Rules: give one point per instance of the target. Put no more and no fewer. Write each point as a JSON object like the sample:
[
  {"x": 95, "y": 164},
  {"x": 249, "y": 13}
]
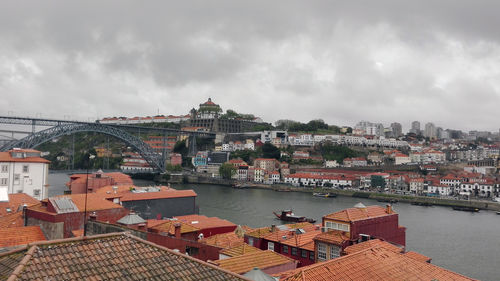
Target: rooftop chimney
[
  {"x": 273, "y": 228},
  {"x": 177, "y": 227},
  {"x": 388, "y": 208}
]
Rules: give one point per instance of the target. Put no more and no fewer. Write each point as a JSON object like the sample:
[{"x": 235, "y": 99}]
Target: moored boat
[
  {"x": 465, "y": 208},
  {"x": 324, "y": 195},
  {"x": 288, "y": 215},
  {"x": 421, "y": 203}
]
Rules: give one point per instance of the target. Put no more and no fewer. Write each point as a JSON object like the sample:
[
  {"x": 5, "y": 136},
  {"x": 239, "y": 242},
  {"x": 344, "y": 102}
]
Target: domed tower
[{"x": 209, "y": 110}]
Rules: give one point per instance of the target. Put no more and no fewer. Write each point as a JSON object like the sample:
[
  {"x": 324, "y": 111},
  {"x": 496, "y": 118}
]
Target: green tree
[
  {"x": 377, "y": 181},
  {"x": 329, "y": 151},
  {"x": 227, "y": 171},
  {"x": 270, "y": 151}
]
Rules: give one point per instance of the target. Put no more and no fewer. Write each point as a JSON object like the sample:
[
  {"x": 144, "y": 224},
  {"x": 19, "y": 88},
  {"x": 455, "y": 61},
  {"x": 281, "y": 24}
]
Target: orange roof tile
[
  {"x": 203, "y": 222},
  {"x": 355, "y": 214},
  {"x": 335, "y": 237},
  {"x": 12, "y": 220},
  {"x": 16, "y": 236},
  {"x": 265, "y": 231},
  {"x": 370, "y": 244},
  {"x": 169, "y": 227},
  {"x": 377, "y": 263},
  {"x": 77, "y": 233},
  {"x": 88, "y": 258},
  {"x": 239, "y": 250},
  {"x": 417, "y": 256},
  {"x": 16, "y": 200},
  {"x": 6, "y": 157},
  {"x": 131, "y": 196},
  {"x": 302, "y": 241},
  {"x": 246, "y": 262},
  {"x": 225, "y": 240},
  {"x": 95, "y": 202}
]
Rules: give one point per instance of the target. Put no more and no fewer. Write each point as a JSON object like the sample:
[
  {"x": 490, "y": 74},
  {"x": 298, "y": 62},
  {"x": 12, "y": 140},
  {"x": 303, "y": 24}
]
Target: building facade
[{"x": 24, "y": 171}]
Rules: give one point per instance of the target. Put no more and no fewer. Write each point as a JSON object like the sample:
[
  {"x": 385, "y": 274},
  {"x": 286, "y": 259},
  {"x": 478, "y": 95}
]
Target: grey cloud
[{"x": 341, "y": 61}]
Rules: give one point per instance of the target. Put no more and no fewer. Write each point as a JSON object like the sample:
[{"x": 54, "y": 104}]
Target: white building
[{"x": 24, "y": 171}]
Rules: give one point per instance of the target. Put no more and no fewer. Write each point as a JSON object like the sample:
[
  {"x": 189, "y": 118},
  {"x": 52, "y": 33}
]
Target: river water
[{"x": 467, "y": 243}]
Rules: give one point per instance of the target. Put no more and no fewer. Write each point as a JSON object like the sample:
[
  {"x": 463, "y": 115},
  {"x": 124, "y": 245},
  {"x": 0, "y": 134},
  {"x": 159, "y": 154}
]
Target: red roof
[
  {"x": 16, "y": 200},
  {"x": 377, "y": 263},
  {"x": 6, "y": 157},
  {"x": 12, "y": 220},
  {"x": 209, "y": 102},
  {"x": 131, "y": 196},
  {"x": 16, "y": 236},
  {"x": 204, "y": 222},
  {"x": 370, "y": 244},
  {"x": 321, "y": 177},
  {"x": 355, "y": 214},
  {"x": 335, "y": 237},
  {"x": 417, "y": 256}
]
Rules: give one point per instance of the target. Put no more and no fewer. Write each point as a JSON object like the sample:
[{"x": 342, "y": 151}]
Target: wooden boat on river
[{"x": 288, "y": 215}]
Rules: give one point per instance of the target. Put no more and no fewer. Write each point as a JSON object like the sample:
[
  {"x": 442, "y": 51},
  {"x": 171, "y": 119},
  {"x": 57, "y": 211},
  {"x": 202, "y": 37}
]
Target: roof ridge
[
  {"x": 22, "y": 263},
  {"x": 128, "y": 234}
]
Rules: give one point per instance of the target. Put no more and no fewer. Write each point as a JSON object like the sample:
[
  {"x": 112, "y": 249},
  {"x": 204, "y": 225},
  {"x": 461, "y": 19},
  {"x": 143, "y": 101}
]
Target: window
[
  {"x": 311, "y": 256},
  {"x": 303, "y": 253},
  {"x": 250, "y": 241},
  {"x": 294, "y": 251},
  {"x": 25, "y": 168},
  {"x": 3, "y": 181},
  {"x": 5, "y": 168},
  {"x": 36, "y": 192},
  {"x": 270, "y": 246},
  {"x": 334, "y": 252},
  {"x": 337, "y": 226},
  {"x": 285, "y": 249},
  {"x": 321, "y": 252},
  {"x": 16, "y": 178},
  {"x": 192, "y": 251}
]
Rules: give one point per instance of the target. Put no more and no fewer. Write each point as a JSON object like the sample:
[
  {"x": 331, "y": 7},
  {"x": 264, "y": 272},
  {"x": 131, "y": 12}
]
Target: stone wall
[{"x": 51, "y": 230}]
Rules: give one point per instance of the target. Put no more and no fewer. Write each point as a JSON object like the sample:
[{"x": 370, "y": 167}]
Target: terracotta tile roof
[
  {"x": 239, "y": 250},
  {"x": 371, "y": 264},
  {"x": 169, "y": 227},
  {"x": 265, "y": 231},
  {"x": 116, "y": 256},
  {"x": 6, "y": 157},
  {"x": 131, "y": 196},
  {"x": 370, "y": 244},
  {"x": 355, "y": 214},
  {"x": 77, "y": 233},
  {"x": 118, "y": 178},
  {"x": 303, "y": 241},
  {"x": 417, "y": 256},
  {"x": 246, "y": 262},
  {"x": 16, "y": 236},
  {"x": 225, "y": 240},
  {"x": 95, "y": 202},
  {"x": 283, "y": 235},
  {"x": 335, "y": 237},
  {"x": 16, "y": 200},
  {"x": 204, "y": 222},
  {"x": 12, "y": 220}
]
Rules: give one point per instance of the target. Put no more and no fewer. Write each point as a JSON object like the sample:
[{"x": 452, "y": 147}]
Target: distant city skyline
[{"x": 384, "y": 62}]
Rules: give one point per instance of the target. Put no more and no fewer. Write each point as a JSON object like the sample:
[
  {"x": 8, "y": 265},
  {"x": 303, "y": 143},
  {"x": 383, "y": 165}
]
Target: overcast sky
[{"x": 382, "y": 61}]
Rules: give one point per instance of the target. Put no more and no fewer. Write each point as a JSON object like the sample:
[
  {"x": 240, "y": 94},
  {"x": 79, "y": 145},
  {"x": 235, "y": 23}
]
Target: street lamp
[{"x": 90, "y": 157}]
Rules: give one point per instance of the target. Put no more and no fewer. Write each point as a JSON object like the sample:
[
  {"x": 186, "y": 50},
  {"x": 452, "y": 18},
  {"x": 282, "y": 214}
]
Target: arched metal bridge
[{"x": 62, "y": 127}]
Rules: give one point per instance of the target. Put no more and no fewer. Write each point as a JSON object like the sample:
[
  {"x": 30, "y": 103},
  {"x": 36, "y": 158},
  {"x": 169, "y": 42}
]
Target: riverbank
[{"x": 384, "y": 197}]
